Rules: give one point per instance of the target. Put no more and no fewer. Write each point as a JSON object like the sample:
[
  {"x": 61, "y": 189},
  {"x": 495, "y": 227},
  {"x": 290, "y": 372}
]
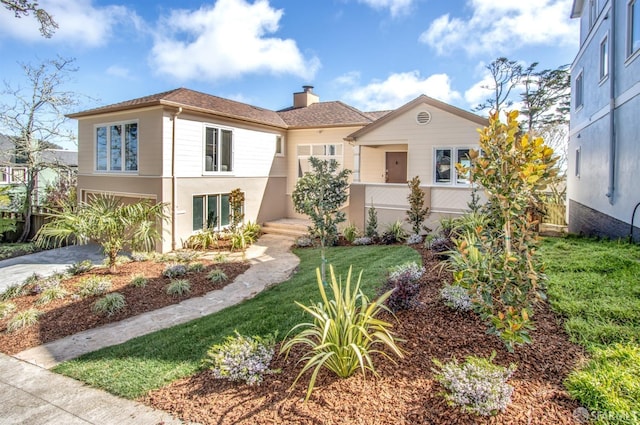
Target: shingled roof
[
  {"x": 197, "y": 102},
  {"x": 324, "y": 114},
  {"x": 321, "y": 114}
]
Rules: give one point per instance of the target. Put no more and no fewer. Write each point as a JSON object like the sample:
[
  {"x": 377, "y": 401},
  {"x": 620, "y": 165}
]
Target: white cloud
[
  {"x": 80, "y": 23},
  {"x": 499, "y": 25},
  {"x": 225, "y": 41},
  {"x": 119, "y": 71},
  {"x": 397, "y": 90},
  {"x": 396, "y": 7}
]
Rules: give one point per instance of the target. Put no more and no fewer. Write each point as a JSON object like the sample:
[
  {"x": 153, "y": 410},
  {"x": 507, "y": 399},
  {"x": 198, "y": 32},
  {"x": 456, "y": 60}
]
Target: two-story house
[
  {"x": 604, "y": 147},
  {"x": 191, "y": 149}
]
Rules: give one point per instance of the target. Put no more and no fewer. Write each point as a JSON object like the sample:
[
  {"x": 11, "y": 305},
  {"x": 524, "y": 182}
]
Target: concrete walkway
[{"x": 30, "y": 394}]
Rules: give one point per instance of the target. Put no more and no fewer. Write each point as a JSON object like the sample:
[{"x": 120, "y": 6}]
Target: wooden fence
[{"x": 555, "y": 214}]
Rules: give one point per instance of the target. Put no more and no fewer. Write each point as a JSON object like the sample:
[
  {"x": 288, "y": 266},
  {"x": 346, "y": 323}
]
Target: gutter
[
  {"x": 612, "y": 106},
  {"x": 174, "y": 181}
]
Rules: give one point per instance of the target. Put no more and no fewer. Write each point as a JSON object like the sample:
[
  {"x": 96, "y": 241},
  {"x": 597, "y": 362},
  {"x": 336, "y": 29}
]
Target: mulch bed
[
  {"x": 67, "y": 316},
  {"x": 405, "y": 393}
]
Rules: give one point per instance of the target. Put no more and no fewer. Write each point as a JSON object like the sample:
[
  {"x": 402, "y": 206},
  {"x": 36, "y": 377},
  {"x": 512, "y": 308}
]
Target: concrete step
[{"x": 287, "y": 228}]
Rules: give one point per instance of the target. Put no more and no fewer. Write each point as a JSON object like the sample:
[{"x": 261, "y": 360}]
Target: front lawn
[
  {"x": 595, "y": 285},
  {"x": 137, "y": 366}
]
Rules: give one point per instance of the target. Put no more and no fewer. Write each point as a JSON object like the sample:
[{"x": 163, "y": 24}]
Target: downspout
[
  {"x": 612, "y": 106},
  {"x": 174, "y": 181}
]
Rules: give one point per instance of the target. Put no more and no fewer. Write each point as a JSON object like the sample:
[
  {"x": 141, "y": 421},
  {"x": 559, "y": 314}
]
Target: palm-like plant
[
  {"x": 107, "y": 221},
  {"x": 345, "y": 332}
]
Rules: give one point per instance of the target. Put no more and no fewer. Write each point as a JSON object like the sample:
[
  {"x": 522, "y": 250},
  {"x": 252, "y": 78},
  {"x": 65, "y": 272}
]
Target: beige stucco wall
[
  {"x": 445, "y": 129},
  {"x": 314, "y": 136},
  {"x": 150, "y": 139},
  {"x": 373, "y": 161}
]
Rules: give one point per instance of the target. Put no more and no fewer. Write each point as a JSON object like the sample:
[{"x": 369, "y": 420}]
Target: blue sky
[{"x": 372, "y": 54}]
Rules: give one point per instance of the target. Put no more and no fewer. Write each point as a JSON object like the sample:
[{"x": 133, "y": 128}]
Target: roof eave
[
  {"x": 577, "y": 8},
  {"x": 162, "y": 102}
]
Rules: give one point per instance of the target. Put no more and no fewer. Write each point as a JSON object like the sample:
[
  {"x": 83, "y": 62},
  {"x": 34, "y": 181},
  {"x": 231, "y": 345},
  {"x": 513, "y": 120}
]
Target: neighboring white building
[{"x": 603, "y": 187}]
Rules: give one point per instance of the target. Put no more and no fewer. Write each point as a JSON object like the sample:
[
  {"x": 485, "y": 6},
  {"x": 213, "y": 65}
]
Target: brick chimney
[{"x": 305, "y": 98}]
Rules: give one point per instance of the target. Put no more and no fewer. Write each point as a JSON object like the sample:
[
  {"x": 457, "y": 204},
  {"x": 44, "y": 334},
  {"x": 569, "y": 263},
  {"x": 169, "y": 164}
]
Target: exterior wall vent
[{"x": 423, "y": 117}]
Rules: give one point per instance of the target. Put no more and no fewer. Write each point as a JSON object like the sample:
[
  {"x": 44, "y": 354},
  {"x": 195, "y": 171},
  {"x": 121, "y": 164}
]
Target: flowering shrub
[
  {"x": 456, "y": 297},
  {"x": 478, "y": 386},
  {"x": 174, "y": 270},
  {"x": 365, "y": 240},
  {"x": 414, "y": 239},
  {"x": 241, "y": 358},
  {"x": 411, "y": 268}
]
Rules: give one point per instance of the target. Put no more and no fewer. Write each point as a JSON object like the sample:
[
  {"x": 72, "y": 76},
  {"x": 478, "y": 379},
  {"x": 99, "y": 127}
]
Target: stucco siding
[{"x": 445, "y": 129}]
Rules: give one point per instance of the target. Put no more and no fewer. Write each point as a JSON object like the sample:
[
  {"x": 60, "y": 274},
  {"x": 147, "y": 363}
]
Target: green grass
[
  {"x": 595, "y": 285},
  {"x": 152, "y": 361}
]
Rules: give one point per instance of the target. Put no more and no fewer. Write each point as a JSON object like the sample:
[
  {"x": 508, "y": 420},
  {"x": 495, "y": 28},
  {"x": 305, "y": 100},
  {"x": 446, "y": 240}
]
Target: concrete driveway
[{"x": 45, "y": 263}]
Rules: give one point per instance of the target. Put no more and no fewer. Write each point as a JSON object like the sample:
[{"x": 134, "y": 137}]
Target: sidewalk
[{"x": 32, "y": 395}]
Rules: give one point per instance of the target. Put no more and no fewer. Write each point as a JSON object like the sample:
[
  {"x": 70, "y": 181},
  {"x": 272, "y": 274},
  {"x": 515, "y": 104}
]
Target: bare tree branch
[{"x": 22, "y": 8}]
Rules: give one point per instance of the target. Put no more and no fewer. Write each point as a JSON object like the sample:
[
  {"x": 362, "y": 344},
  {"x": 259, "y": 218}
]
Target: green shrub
[
  {"x": 478, "y": 386},
  {"x": 79, "y": 267},
  {"x": 174, "y": 270},
  {"x": 372, "y": 223},
  {"x": 34, "y": 278},
  {"x": 179, "y": 287},
  {"x": 417, "y": 212},
  {"x": 241, "y": 358},
  {"x": 304, "y": 242},
  {"x": 351, "y": 232},
  {"x": 394, "y": 233},
  {"x": 51, "y": 293},
  {"x": 138, "y": 280},
  {"x": 196, "y": 267},
  {"x": 220, "y": 258},
  {"x": 203, "y": 240},
  {"x": 13, "y": 291},
  {"x": 217, "y": 275},
  {"x": 252, "y": 231},
  {"x": 6, "y": 308},
  {"x": 608, "y": 386},
  {"x": 110, "y": 304},
  {"x": 345, "y": 331},
  {"x": 185, "y": 256},
  {"x": 23, "y": 319},
  {"x": 140, "y": 256},
  {"x": 93, "y": 285}
]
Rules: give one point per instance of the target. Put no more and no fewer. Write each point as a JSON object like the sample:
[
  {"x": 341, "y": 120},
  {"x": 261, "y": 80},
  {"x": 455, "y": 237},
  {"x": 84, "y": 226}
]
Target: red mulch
[
  {"x": 67, "y": 316},
  {"x": 406, "y": 392}
]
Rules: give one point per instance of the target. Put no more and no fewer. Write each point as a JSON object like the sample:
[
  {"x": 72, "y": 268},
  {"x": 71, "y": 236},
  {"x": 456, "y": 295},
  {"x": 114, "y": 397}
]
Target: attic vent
[{"x": 423, "y": 117}]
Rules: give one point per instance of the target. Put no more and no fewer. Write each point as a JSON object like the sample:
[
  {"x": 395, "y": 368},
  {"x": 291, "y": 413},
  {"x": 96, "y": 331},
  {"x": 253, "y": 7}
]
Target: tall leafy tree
[
  {"x": 546, "y": 97},
  {"x": 505, "y": 75},
  {"x": 33, "y": 116},
  {"x": 22, "y": 8}
]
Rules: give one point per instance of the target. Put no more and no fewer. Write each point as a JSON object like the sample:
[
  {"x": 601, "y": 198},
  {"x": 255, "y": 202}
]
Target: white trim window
[
  {"x": 604, "y": 58},
  {"x": 211, "y": 211},
  {"x": 633, "y": 27},
  {"x": 218, "y": 150},
  {"x": 444, "y": 169},
  {"x": 579, "y": 91},
  {"x": 13, "y": 175},
  {"x": 320, "y": 151},
  {"x": 117, "y": 147}
]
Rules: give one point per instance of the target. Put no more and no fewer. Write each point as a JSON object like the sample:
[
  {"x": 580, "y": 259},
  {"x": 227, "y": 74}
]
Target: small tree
[
  {"x": 417, "y": 211},
  {"x": 497, "y": 263},
  {"x": 6, "y": 224},
  {"x": 320, "y": 194},
  {"x": 108, "y": 222},
  {"x": 372, "y": 223},
  {"x": 236, "y": 203}
]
